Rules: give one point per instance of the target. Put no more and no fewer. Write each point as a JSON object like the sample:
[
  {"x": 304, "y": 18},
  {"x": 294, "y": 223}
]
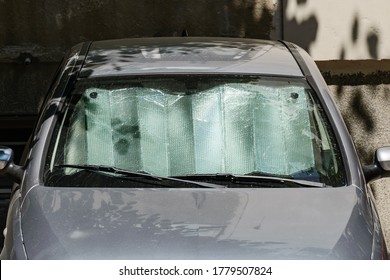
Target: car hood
[{"x": 288, "y": 223}]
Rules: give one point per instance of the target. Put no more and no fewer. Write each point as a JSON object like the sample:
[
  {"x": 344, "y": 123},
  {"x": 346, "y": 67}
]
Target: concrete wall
[
  {"x": 61, "y": 23},
  {"x": 365, "y": 109},
  {"x": 334, "y": 29},
  {"x": 35, "y": 33},
  {"x": 349, "y": 39},
  {"x": 329, "y": 30}
]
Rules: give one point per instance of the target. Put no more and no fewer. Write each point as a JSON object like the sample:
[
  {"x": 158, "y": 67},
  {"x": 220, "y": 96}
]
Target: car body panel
[
  {"x": 126, "y": 223},
  {"x": 13, "y": 246},
  {"x": 152, "y": 223},
  {"x": 188, "y": 55}
]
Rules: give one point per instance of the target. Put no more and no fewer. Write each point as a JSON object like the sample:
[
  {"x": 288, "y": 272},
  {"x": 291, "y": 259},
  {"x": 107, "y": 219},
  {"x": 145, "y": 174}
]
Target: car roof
[{"x": 189, "y": 55}]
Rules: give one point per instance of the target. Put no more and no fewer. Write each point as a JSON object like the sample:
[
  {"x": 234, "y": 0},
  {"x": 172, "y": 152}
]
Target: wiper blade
[
  {"x": 129, "y": 174},
  {"x": 109, "y": 169},
  {"x": 228, "y": 177}
]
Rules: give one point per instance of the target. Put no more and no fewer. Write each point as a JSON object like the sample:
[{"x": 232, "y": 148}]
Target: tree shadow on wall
[
  {"x": 219, "y": 18},
  {"x": 249, "y": 19},
  {"x": 302, "y": 32},
  {"x": 357, "y": 109}
]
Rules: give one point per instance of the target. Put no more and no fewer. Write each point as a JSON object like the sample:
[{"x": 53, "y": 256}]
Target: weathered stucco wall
[
  {"x": 329, "y": 30},
  {"x": 334, "y": 29},
  {"x": 365, "y": 109},
  {"x": 34, "y": 34},
  {"x": 54, "y": 24}
]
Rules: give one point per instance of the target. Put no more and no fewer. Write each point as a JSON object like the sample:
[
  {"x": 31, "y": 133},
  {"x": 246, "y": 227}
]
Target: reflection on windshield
[{"x": 173, "y": 126}]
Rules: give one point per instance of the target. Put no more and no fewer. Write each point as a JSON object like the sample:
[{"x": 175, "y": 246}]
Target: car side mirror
[
  {"x": 380, "y": 168},
  {"x": 8, "y": 167}
]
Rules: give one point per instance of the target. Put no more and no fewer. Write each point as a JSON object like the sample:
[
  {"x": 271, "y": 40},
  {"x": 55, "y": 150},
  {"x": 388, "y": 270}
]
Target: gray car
[{"x": 191, "y": 148}]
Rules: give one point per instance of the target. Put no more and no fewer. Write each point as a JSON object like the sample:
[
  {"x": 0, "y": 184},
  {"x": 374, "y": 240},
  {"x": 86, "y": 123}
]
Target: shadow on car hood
[{"x": 102, "y": 223}]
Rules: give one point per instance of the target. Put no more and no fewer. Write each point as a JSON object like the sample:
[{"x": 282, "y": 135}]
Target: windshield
[{"x": 189, "y": 125}]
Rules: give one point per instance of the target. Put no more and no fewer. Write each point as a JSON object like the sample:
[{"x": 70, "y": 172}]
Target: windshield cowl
[
  {"x": 70, "y": 173},
  {"x": 159, "y": 181}
]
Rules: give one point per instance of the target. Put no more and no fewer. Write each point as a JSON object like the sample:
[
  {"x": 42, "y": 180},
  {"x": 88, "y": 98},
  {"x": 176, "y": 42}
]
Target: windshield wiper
[
  {"x": 131, "y": 174},
  {"x": 261, "y": 179}
]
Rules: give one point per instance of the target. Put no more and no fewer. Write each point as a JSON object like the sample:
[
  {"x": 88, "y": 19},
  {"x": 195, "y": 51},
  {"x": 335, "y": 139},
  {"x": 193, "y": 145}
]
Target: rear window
[{"x": 181, "y": 125}]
